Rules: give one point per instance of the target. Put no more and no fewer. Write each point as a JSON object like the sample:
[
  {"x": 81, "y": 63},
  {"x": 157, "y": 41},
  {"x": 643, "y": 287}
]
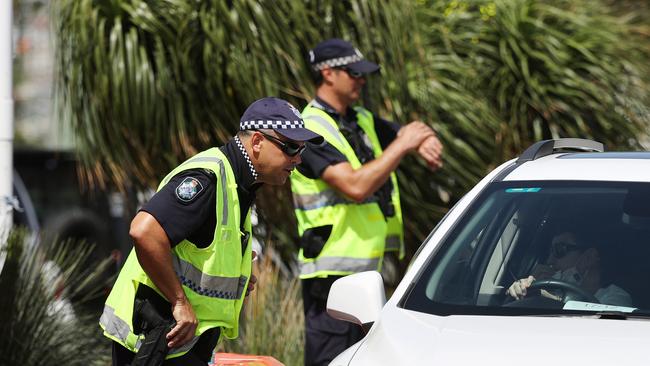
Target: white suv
[{"x": 545, "y": 262}]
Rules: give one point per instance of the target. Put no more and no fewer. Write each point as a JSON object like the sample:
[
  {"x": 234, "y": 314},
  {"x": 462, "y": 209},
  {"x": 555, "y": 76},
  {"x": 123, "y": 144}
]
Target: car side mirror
[{"x": 357, "y": 298}]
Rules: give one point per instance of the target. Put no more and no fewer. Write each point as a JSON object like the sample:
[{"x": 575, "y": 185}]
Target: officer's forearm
[
  {"x": 158, "y": 266},
  {"x": 359, "y": 184},
  {"x": 153, "y": 250}
]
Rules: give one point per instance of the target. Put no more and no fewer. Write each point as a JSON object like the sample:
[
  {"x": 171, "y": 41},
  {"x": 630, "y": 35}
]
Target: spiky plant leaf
[{"x": 41, "y": 325}]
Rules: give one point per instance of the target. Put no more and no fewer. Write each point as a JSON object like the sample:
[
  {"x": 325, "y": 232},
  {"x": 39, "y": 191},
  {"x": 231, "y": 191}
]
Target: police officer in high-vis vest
[
  {"x": 191, "y": 262},
  {"x": 345, "y": 192}
]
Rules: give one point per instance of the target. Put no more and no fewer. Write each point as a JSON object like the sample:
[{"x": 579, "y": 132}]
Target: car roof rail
[{"x": 548, "y": 147}]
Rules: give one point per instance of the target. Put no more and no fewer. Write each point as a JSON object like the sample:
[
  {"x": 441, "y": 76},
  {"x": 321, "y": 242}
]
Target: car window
[{"x": 542, "y": 247}]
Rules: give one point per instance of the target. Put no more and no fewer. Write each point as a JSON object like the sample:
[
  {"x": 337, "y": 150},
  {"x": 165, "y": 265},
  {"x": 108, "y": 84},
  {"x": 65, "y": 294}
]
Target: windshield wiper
[
  {"x": 609, "y": 314},
  {"x": 621, "y": 315}
]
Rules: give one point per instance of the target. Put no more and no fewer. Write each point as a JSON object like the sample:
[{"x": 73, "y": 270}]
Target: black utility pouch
[
  {"x": 313, "y": 240},
  {"x": 146, "y": 319},
  {"x": 150, "y": 309}
]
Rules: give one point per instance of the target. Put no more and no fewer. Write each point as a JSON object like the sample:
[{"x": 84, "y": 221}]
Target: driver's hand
[{"x": 518, "y": 288}]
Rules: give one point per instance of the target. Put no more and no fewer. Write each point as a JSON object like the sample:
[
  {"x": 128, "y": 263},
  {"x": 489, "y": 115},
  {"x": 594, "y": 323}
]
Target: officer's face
[
  {"x": 275, "y": 165},
  {"x": 346, "y": 86}
]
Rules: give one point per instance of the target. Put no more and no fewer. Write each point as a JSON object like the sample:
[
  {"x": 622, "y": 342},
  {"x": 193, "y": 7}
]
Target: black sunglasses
[
  {"x": 353, "y": 74},
  {"x": 561, "y": 248},
  {"x": 290, "y": 148}
]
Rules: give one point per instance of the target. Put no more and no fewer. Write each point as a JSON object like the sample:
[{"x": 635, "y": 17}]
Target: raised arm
[{"x": 359, "y": 184}]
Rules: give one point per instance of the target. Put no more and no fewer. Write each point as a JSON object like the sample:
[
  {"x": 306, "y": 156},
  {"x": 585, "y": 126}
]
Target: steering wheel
[{"x": 571, "y": 291}]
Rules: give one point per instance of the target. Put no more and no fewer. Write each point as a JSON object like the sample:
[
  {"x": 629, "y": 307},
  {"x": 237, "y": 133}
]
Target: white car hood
[{"x": 405, "y": 337}]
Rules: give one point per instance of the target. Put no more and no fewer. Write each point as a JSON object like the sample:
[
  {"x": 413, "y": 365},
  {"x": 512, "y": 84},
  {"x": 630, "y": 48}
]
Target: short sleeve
[
  {"x": 184, "y": 204},
  {"x": 316, "y": 158}
]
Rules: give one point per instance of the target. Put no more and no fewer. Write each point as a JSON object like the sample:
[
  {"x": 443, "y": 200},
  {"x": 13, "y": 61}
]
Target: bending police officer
[{"x": 192, "y": 251}]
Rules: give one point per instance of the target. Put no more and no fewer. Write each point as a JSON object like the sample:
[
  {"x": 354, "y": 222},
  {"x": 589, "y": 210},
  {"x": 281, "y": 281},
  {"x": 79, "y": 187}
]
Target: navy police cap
[
  {"x": 337, "y": 53},
  {"x": 278, "y": 115}
]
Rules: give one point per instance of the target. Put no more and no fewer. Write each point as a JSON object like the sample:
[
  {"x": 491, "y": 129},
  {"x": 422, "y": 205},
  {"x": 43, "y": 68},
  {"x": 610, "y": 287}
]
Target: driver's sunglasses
[
  {"x": 353, "y": 74},
  {"x": 290, "y": 148},
  {"x": 561, "y": 248}
]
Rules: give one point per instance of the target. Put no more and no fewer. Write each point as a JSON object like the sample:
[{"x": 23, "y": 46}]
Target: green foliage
[
  {"x": 547, "y": 69},
  {"x": 497, "y": 76},
  {"x": 39, "y": 325},
  {"x": 272, "y": 320},
  {"x": 145, "y": 84}
]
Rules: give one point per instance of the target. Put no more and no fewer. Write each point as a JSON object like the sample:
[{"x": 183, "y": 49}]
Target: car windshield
[{"x": 543, "y": 248}]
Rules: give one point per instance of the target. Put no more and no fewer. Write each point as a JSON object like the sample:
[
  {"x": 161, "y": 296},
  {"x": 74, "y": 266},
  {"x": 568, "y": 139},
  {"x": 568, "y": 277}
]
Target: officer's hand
[
  {"x": 431, "y": 151},
  {"x": 518, "y": 288},
  {"x": 413, "y": 134},
  {"x": 186, "y": 324},
  {"x": 251, "y": 284}
]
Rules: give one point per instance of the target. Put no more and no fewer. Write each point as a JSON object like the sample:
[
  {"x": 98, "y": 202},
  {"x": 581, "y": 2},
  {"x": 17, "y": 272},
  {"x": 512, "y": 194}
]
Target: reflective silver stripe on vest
[
  {"x": 393, "y": 242},
  {"x": 115, "y": 326},
  {"x": 229, "y": 288},
  {"x": 317, "y": 200},
  {"x": 328, "y": 126},
  {"x": 328, "y": 197},
  {"x": 119, "y": 329},
  {"x": 224, "y": 187},
  {"x": 339, "y": 264}
]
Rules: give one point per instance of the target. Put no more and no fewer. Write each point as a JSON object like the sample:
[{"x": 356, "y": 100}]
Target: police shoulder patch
[{"x": 189, "y": 188}]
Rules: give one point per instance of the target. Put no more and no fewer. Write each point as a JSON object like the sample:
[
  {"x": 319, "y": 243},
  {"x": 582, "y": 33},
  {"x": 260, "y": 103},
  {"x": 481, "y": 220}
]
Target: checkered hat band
[
  {"x": 274, "y": 125},
  {"x": 339, "y": 61}
]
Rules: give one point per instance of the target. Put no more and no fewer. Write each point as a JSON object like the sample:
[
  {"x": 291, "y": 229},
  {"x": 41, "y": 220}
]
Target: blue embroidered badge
[{"x": 188, "y": 189}]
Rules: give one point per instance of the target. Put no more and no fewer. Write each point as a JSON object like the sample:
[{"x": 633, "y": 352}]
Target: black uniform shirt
[
  {"x": 316, "y": 158},
  {"x": 186, "y": 206}
]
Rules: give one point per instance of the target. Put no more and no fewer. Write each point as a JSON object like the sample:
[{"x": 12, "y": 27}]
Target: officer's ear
[
  {"x": 256, "y": 141},
  {"x": 327, "y": 74}
]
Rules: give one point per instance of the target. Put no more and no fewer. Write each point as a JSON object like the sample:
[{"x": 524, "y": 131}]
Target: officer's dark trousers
[
  {"x": 197, "y": 356},
  {"x": 325, "y": 337}
]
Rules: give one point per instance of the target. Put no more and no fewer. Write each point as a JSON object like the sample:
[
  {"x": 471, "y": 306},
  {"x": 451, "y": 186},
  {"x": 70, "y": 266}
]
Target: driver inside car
[{"x": 572, "y": 263}]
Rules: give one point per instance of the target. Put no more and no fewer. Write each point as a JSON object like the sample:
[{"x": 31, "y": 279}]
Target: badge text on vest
[{"x": 188, "y": 189}]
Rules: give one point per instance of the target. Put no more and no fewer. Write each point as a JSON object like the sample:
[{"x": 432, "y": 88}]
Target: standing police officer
[
  {"x": 345, "y": 192},
  {"x": 191, "y": 262}
]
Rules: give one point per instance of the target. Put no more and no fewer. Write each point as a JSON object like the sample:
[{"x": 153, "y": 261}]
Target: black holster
[
  {"x": 147, "y": 320},
  {"x": 313, "y": 240}
]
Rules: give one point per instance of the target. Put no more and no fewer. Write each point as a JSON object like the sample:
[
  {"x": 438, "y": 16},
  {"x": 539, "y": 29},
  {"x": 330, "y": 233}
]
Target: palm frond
[{"x": 40, "y": 324}]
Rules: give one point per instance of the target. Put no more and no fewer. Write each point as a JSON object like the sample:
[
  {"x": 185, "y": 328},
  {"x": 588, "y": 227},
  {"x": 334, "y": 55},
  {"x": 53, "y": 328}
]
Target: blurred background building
[{"x": 33, "y": 79}]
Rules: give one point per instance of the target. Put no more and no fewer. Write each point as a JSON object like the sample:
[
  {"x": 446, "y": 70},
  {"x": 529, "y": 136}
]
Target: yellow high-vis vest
[
  {"x": 359, "y": 231},
  {"x": 395, "y": 229},
  {"x": 214, "y": 279}
]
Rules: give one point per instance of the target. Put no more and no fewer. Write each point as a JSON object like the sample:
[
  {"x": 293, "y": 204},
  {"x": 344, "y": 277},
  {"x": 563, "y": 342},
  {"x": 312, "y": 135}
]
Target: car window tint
[{"x": 590, "y": 235}]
